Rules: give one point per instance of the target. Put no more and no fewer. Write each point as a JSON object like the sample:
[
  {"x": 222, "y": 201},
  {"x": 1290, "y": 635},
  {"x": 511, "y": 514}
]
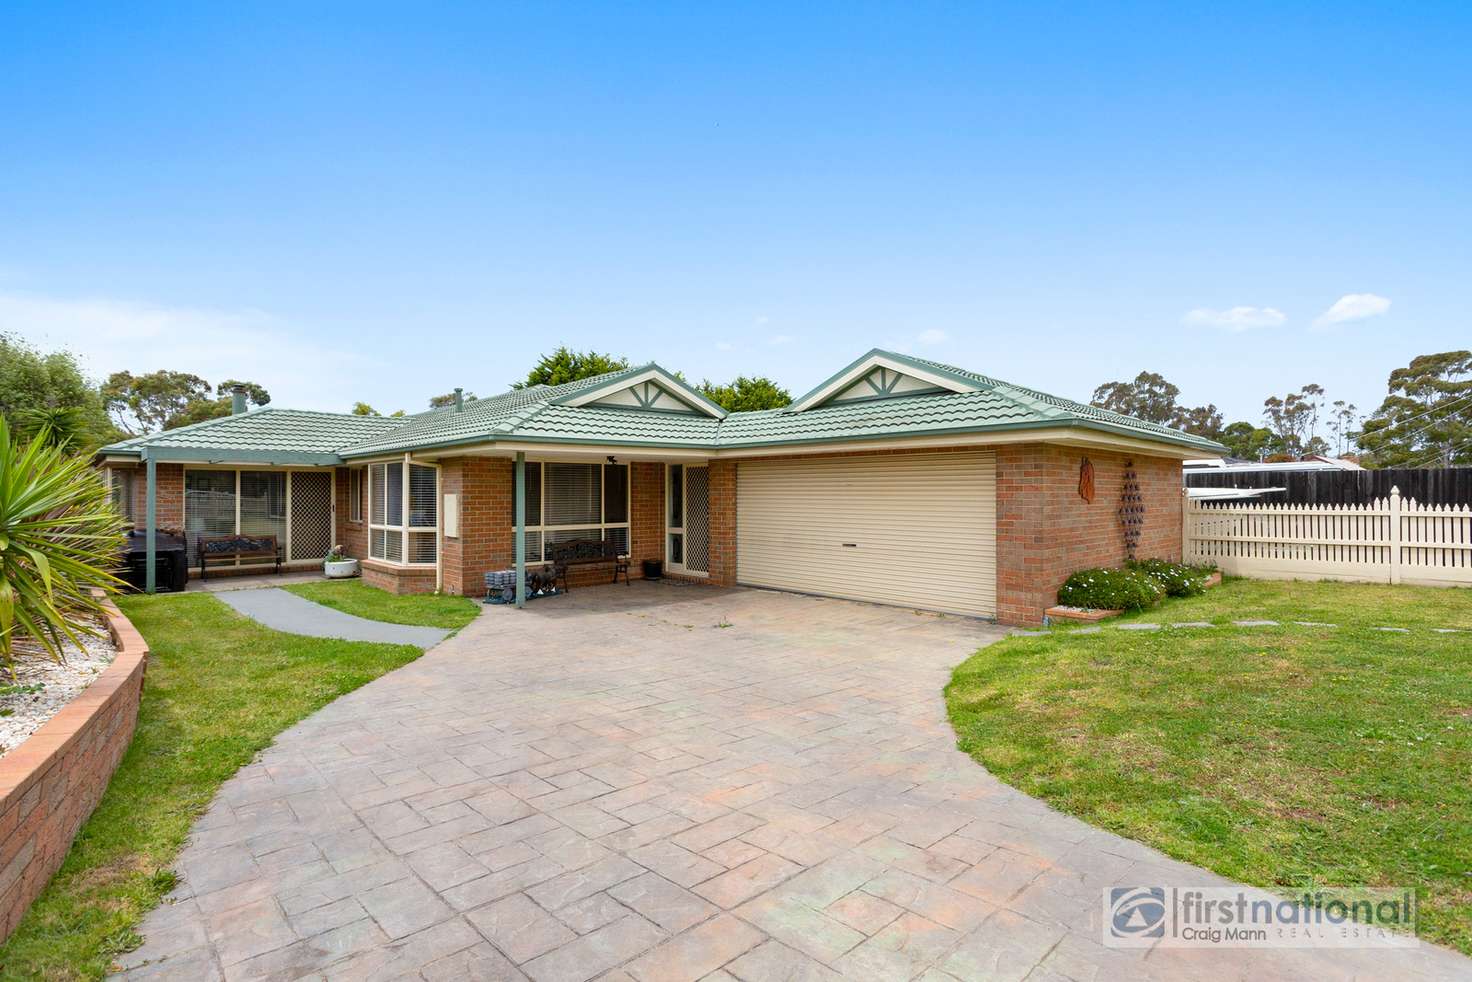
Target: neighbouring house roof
[{"x": 625, "y": 409}]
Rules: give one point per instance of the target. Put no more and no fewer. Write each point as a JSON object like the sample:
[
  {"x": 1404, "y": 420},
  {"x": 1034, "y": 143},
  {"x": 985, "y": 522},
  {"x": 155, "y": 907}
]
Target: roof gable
[
  {"x": 884, "y": 375},
  {"x": 650, "y": 388}
]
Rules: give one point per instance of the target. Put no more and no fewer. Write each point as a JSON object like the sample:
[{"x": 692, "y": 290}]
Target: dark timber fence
[{"x": 1426, "y": 485}]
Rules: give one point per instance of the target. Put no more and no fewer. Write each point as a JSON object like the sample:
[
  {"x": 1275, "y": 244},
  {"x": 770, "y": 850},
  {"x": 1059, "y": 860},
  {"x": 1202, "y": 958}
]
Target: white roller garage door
[{"x": 912, "y": 529}]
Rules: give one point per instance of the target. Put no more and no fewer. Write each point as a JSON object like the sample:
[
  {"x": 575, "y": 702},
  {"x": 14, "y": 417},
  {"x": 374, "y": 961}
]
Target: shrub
[
  {"x": 1176, "y": 579},
  {"x": 59, "y": 538},
  {"x": 1119, "y": 588}
]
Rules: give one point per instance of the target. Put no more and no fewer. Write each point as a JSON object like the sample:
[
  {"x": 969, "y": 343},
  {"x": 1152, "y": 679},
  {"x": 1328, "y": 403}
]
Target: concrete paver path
[
  {"x": 666, "y": 782},
  {"x": 285, "y": 611}
]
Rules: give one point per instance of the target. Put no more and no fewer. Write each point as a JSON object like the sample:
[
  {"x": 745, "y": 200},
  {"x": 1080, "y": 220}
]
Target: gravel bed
[{"x": 41, "y": 687}]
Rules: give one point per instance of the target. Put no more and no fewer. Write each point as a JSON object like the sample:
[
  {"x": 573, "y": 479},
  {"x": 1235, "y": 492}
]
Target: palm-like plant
[
  {"x": 59, "y": 539},
  {"x": 57, "y": 426}
]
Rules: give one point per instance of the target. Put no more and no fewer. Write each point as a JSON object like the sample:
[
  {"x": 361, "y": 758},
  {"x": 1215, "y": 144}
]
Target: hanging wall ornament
[
  {"x": 1086, "y": 480},
  {"x": 1131, "y": 510}
]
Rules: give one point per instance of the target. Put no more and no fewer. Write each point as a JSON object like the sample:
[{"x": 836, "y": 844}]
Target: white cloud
[
  {"x": 781, "y": 339},
  {"x": 725, "y": 346},
  {"x": 109, "y": 335},
  {"x": 1353, "y": 307},
  {"x": 1234, "y": 318},
  {"x": 932, "y": 336}
]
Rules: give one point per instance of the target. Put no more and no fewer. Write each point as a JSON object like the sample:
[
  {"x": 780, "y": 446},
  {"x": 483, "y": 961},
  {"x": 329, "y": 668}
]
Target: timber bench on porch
[
  {"x": 238, "y": 547},
  {"x": 587, "y": 552}
]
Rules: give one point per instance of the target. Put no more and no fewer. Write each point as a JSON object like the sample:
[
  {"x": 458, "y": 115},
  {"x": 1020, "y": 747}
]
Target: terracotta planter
[{"x": 340, "y": 569}]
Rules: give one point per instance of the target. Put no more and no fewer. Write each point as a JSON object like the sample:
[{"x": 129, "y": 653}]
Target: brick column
[
  {"x": 722, "y": 476},
  {"x": 485, "y": 486},
  {"x": 169, "y": 504},
  {"x": 351, "y": 535},
  {"x": 646, "y": 513}
]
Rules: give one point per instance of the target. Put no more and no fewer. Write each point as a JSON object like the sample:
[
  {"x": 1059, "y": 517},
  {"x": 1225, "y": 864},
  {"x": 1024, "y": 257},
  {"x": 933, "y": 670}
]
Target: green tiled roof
[
  {"x": 479, "y": 420},
  {"x": 267, "y": 434},
  {"x": 539, "y": 415}
]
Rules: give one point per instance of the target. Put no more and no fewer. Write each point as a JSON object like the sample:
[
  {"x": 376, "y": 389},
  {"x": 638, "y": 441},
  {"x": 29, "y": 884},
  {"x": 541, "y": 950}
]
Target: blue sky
[{"x": 381, "y": 202}]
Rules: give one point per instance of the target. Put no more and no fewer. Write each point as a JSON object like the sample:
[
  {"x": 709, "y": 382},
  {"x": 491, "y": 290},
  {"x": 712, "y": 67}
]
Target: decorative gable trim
[
  {"x": 882, "y": 375},
  {"x": 650, "y": 389},
  {"x": 885, "y": 383},
  {"x": 645, "y": 395}
]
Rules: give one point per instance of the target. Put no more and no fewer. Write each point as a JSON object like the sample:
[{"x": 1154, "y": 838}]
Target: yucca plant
[
  {"x": 60, "y": 537},
  {"x": 57, "y": 426}
]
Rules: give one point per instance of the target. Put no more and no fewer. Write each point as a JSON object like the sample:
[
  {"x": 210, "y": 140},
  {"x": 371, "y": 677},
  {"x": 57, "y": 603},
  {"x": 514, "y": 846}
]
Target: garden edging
[{"x": 54, "y": 780}]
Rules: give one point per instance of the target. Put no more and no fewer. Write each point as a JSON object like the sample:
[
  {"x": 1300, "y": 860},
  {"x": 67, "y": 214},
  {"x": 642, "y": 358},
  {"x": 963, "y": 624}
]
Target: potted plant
[{"x": 339, "y": 565}]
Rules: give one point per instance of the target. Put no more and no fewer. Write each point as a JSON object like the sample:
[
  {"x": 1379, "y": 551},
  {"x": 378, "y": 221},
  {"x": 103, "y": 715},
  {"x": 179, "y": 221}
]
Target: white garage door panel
[{"x": 918, "y": 530}]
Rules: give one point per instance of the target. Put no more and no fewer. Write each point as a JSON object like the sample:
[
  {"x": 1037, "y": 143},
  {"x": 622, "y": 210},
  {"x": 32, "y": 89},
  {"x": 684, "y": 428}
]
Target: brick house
[{"x": 897, "y": 480}]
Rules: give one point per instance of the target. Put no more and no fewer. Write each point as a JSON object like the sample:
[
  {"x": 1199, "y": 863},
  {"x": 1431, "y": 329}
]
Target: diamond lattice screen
[
  {"x": 311, "y": 515},
  {"x": 697, "y": 519}
]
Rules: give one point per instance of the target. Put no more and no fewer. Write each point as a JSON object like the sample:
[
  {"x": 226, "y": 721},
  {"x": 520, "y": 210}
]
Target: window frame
[
  {"x": 598, "y": 529},
  {"x": 403, "y": 530},
  {"x": 120, "y": 483}
]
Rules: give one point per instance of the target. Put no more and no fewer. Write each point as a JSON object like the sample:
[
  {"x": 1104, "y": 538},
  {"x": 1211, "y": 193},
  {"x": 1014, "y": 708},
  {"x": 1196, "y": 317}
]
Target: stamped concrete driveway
[{"x": 665, "y": 782}]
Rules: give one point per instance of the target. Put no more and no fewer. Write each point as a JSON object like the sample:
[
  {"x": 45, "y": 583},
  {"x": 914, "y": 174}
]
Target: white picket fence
[{"x": 1386, "y": 541}]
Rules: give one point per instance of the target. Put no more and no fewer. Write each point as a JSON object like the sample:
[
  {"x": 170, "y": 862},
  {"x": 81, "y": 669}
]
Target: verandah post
[
  {"x": 520, "y": 529},
  {"x": 150, "y": 548}
]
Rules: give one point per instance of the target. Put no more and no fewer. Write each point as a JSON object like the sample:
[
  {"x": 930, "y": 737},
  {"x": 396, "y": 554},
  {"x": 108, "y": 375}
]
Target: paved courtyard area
[{"x": 666, "y": 782}]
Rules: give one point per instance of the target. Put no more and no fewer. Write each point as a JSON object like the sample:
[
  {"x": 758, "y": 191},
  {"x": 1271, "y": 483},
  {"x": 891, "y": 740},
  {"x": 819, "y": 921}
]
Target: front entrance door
[
  {"x": 687, "y": 518},
  {"x": 311, "y": 514}
]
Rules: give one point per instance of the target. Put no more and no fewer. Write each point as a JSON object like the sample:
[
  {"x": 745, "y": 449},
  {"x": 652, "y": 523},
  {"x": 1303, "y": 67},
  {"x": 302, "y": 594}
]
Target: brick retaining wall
[{"x": 51, "y": 783}]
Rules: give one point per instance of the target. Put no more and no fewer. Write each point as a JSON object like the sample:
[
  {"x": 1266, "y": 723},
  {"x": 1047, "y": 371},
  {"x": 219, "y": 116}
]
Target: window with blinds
[
  {"x": 575, "y": 501},
  {"x": 263, "y": 504},
  {"x": 403, "y": 513},
  {"x": 209, "y": 506}
]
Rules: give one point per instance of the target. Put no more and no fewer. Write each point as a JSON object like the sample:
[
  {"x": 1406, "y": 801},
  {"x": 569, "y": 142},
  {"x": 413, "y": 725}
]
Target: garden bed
[
  {"x": 41, "y": 688},
  {"x": 56, "y": 776}
]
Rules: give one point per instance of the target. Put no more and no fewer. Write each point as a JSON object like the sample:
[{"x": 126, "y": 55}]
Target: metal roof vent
[
  {"x": 459, "y": 398},
  {"x": 237, "y": 400}
]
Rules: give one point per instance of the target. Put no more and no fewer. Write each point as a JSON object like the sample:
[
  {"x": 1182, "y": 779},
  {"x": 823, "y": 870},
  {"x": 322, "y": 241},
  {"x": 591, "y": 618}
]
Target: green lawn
[
  {"x": 219, "y": 688},
  {"x": 1281, "y": 756},
  {"x": 357, "y": 597}
]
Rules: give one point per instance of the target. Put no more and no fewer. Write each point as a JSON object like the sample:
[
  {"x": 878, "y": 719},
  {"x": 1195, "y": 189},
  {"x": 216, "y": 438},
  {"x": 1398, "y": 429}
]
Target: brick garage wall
[
  {"x": 1045, "y": 531},
  {"x": 53, "y": 781}
]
